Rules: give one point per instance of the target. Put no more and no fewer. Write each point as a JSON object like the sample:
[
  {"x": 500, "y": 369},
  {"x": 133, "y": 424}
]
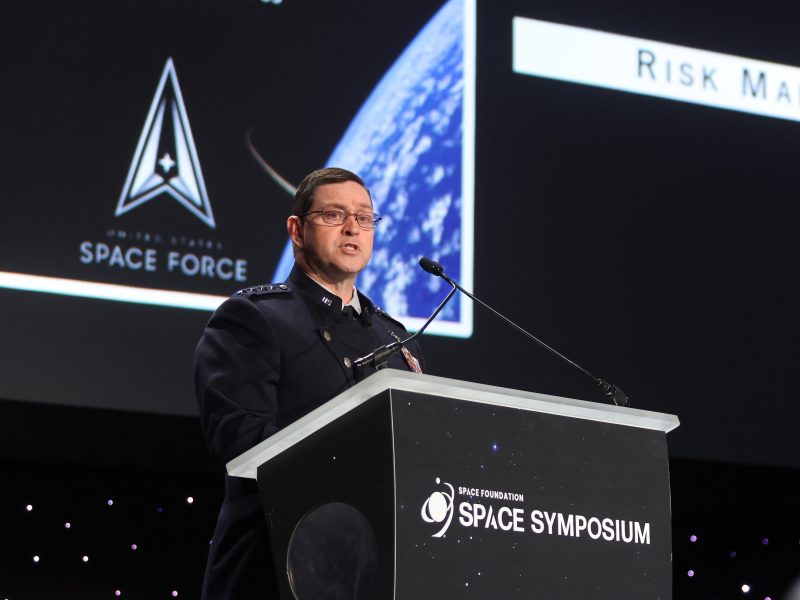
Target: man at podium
[{"x": 272, "y": 353}]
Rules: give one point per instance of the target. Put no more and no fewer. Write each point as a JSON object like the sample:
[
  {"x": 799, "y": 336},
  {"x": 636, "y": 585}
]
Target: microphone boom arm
[
  {"x": 379, "y": 358},
  {"x": 612, "y": 392}
]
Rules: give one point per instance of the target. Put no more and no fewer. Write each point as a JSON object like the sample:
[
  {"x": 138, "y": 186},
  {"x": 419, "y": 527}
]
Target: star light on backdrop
[
  {"x": 151, "y": 541},
  {"x": 81, "y": 544}
]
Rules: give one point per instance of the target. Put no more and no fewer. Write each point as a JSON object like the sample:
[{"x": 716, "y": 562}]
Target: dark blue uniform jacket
[{"x": 269, "y": 355}]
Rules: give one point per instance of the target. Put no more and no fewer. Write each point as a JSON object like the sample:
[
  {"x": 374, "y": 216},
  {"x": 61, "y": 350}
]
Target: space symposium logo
[{"x": 505, "y": 511}]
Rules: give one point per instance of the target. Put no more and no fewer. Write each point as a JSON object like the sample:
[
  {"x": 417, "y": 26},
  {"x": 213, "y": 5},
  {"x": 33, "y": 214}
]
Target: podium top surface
[{"x": 246, "y": 464}]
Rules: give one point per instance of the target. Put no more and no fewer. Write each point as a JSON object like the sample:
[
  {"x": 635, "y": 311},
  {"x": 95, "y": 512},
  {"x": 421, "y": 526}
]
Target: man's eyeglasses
[{"x": 337, "y": 216}]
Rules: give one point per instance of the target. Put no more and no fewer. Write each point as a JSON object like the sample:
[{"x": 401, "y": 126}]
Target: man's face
[{"x": 337, "y": 253}]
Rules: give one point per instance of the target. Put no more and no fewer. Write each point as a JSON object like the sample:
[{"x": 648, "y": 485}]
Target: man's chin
[
  {"x": 350, "y": 269},
  {"x": 352, "y": 265},
  {"x": 340, "y": 270}
]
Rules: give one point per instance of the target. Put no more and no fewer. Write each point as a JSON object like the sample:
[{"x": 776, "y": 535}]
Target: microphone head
[{"x": 431, "y": 266}]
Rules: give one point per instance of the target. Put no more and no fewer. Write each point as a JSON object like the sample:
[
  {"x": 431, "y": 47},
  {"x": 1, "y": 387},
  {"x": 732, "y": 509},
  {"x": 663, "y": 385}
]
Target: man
[{"x": 271, "y": 354}]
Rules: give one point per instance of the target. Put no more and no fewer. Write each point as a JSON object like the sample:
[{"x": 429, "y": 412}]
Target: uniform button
[
  {"x": 327, "y": 335},
  {"x": 347, "y": 362},
  {"x": 283, "y": 286}
]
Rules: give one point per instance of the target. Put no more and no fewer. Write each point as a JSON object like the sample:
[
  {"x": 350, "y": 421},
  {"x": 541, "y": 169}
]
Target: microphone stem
[
  {"x": 609, "y": 390},
  {"x": 436, "y": 312},
  {"x": 380, "y": 357},
  {"x": 520, "y": 329}
]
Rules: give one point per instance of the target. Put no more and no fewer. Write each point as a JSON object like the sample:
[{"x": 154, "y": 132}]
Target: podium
[{"x": 415, "y": 487}]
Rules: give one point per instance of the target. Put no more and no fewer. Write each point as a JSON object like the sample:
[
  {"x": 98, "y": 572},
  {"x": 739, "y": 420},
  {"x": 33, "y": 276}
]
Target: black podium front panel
[
  {"x": 347, "y": 463},
  {"x": 495, "y": 502}
]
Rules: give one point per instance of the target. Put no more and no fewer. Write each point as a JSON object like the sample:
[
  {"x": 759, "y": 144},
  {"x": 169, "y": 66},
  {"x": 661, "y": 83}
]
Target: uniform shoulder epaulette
[
  {"x": 383, "y": 313},
  {"x": 263, "y": 290}
]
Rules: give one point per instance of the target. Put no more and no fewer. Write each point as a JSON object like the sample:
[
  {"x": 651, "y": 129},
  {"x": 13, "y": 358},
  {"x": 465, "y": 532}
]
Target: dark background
[{"x": 651, "y": 241}]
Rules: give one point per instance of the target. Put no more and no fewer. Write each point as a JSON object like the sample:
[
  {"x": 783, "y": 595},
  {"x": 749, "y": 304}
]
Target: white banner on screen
[
  {"x": 109, "y": 291},
  {"x": 640, "y": 66}
]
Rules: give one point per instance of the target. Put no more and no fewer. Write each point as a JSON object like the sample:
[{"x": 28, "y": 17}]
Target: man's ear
[{"x": 295, "y": 228}]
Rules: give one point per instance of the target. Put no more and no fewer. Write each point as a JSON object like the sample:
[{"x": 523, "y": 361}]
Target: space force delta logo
[
  {"x": 165, "y": 163},
  {"x": 165, "y": 167},
  {"x": 502, "y": 511}
]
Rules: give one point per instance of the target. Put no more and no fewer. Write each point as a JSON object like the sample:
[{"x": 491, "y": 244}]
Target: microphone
[
  {"x": 379, "y": 358},
  {"x": 432, "y": 267},
  {"x": 609, "y": 390}
]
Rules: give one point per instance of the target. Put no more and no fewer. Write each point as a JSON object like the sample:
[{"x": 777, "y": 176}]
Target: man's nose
[{"x": 350, "y": 225}]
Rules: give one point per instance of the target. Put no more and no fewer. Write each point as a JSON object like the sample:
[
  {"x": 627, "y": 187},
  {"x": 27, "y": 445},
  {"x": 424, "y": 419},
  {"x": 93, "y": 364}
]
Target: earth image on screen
[{"x": 406, "y": 142}]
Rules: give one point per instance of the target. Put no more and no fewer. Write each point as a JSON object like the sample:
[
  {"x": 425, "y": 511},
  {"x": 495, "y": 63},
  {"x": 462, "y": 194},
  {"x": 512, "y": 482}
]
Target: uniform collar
[
  {"x": 301, "y": 280},
  {"x": 355, "y": 302}
]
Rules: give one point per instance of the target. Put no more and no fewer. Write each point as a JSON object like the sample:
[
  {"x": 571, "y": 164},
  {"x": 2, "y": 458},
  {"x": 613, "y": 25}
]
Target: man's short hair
[{"x": 304, "y": 196}]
